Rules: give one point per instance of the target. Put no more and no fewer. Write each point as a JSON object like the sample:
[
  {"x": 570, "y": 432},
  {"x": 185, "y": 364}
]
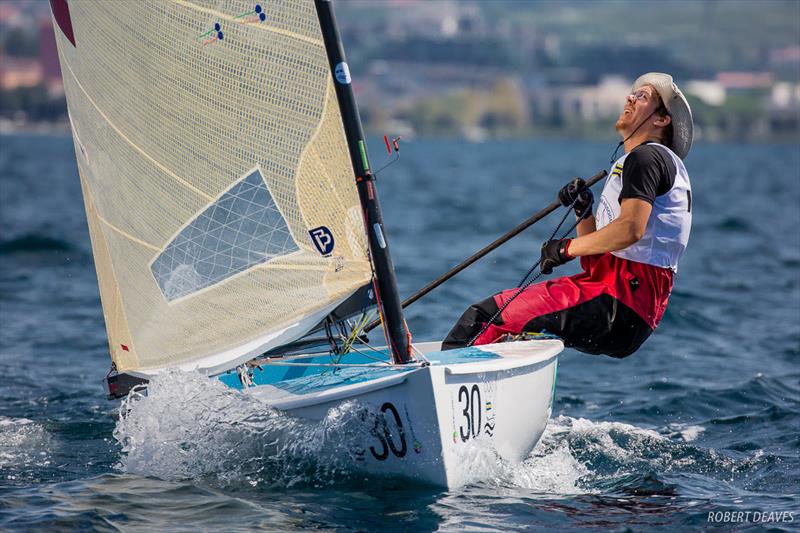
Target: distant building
[
  {"x": 444, "y": 19},
  {"x": 784, "y": 109},
  {"x": 10, "y": 15},
  {"x": 745, "y": 80},
  {"x": 785, "y": 63},
  {"x": 19, "y": 72},
  {"x": 584, "y": 103},
  {"x": 785, "y": 96},
  {"x": 710, "y": 92},
  {"x": 48, "y": 58}
]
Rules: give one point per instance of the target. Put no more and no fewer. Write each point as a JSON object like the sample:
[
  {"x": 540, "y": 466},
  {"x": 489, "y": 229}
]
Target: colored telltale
[
  {"x": 257, "y": 14},
  {"x": 212, "y": 35}
]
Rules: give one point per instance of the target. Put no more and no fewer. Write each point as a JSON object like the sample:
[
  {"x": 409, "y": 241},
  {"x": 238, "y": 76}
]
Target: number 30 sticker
[{"x": 477, "y": 412}]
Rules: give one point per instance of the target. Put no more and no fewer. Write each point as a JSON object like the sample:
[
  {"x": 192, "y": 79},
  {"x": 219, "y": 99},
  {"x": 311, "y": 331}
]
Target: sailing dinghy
[{"x": 236, "y": 231}]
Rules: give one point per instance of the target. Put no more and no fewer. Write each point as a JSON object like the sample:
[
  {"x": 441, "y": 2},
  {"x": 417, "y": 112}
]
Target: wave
[
  {"x": 24, "y": 447},
  {"x": 734, "y": 224},
  {"x": 608, "y": 457},
  {"x": 191, "y": 427},
  {"x": 35, "y": 243}
]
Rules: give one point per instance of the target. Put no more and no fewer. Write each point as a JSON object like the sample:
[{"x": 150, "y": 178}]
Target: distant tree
[
  {"x": 505, "y": 109},
  {"x": 19, "y": 42}
]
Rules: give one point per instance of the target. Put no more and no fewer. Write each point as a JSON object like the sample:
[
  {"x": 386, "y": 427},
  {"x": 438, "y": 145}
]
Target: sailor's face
[{"x": 638, "y": 106}]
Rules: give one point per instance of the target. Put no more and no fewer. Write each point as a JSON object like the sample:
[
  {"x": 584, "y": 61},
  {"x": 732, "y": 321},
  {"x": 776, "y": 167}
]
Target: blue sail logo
[{"x": 323, "y": 240}]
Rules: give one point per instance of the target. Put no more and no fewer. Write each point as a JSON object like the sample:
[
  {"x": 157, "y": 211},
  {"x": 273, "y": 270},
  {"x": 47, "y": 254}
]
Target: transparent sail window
[{"x": 242, "y": 228}]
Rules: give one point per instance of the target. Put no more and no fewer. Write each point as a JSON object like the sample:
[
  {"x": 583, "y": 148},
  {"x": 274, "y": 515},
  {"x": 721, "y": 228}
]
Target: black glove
[
  {"x": 554, "y": 253},
  {"x": 579, "y": 196}
]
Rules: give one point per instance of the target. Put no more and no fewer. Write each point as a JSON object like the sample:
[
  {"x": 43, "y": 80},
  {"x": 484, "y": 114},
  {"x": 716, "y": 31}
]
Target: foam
[
  {"x": 189, "y": 426},
  {"x": 688, "y": 433},
  {"x": 23, "y": 444}
]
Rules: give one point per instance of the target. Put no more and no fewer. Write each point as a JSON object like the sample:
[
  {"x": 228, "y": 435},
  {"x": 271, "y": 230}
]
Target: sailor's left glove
[
  {"x": 554, "y": 253},
  {"x": 579, "y": 196}
]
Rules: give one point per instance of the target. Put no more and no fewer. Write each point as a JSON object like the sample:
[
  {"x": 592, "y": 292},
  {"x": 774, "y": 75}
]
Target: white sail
[{"x": 218, "y": 188}]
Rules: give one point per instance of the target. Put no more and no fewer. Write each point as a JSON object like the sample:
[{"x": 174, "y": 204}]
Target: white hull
[{"x": 432, "y": 417}]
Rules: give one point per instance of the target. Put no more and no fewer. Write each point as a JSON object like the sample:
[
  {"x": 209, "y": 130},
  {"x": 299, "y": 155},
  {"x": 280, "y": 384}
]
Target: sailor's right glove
[
  {"x": 579, "y": 196},
  {"x": 554, "y": 253}
]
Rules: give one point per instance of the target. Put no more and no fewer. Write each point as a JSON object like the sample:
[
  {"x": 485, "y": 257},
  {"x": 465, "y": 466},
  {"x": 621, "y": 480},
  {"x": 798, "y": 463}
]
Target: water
[{"x": 704, "y": 418}]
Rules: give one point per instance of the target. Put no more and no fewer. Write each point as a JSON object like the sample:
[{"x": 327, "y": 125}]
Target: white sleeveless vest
[{"x": 667, "y": 232}]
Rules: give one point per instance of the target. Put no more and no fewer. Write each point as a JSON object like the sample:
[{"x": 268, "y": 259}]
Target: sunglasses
[{"x": 640, "y": 95}]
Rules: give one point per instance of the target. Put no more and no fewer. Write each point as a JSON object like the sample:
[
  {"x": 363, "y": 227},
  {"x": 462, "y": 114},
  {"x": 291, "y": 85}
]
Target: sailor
[{"x": 629, "y": 250}]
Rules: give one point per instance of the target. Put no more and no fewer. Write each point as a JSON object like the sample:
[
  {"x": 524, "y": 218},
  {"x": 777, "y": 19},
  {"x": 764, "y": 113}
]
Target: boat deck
[
  {"x": 307, "y": 374},
  {"x": 311, "y": 375}
]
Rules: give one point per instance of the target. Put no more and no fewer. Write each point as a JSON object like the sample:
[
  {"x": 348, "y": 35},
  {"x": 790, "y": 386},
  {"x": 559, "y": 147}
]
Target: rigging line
[
  {"x": 368, "y": 355},
  {"x": 385, "y": 365},
  {"x": 563, "y": 219},
  {"x": 131, "y": 143},
  {"x": 524, "y": 286},
  {"x": 372, "y": 348},
  {"x": 355, "y": 331},
  {"x": 262, "y": 27},
  {"x": 292, "y": 357}
]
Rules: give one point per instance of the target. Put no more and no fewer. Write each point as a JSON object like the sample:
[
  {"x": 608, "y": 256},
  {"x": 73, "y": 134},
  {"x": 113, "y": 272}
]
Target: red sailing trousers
[{"x": 609, "y": 308}]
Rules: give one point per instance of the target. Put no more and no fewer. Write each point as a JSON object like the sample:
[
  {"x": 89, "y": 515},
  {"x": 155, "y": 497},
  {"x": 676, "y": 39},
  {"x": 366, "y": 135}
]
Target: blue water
[{"x": 704, "y": 418}]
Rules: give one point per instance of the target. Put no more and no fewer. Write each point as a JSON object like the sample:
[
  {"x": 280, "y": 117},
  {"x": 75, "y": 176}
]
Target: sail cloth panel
[{"x": 216, "y": 177}]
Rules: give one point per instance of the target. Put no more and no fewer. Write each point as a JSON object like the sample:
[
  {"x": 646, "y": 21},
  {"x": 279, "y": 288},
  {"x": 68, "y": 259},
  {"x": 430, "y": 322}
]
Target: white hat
[{"x": 677, "y": 106}]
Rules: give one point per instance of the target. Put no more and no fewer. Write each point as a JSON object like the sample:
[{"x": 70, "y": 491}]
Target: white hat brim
[{"x": 678, "y": 107}]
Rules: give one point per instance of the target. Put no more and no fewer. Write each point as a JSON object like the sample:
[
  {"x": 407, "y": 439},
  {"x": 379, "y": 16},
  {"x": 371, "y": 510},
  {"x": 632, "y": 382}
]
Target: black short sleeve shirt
[{"x": 648, "y": 172}]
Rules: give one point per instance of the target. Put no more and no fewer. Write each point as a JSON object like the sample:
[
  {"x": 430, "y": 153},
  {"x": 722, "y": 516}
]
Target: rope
[
  {"x": 530, "y": 271},
  {"x": 525, "y": 284},
  {"x": 369, "y": 356},
  {"x": 358, "y": 365}
]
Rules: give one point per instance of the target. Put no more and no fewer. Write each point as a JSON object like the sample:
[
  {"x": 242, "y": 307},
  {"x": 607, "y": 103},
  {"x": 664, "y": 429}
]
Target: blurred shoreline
[
  {"x": 61, "y": 128},
  {"x": 505, "y": 69}
]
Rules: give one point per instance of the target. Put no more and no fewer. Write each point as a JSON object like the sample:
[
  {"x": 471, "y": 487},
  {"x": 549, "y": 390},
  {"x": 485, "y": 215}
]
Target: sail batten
[
  {"x": 128, "y": 235},
  {"x": 222, "y": 209}
]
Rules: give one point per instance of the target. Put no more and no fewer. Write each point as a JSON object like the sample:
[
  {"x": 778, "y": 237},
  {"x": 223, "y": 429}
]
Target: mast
[{"x": 385, "y": 281}]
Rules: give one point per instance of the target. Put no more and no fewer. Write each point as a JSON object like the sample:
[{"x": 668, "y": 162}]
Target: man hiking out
[{"x": 629, "y": 250}]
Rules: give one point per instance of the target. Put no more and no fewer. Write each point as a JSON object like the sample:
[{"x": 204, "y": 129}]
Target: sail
[{"x": 219, "y": 193}]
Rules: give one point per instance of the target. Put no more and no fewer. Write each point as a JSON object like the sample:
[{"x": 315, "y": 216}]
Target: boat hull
[{"x": 434, "y": 423}]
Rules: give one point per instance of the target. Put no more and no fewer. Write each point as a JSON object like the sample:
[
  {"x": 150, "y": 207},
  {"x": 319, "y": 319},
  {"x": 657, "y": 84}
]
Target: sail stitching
[
  {"x": 134, "y": 145},
  {"x": 121, "y": 305},
  {"x": 309, "y": 145},
  {"x": 112, "y": 226}
]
